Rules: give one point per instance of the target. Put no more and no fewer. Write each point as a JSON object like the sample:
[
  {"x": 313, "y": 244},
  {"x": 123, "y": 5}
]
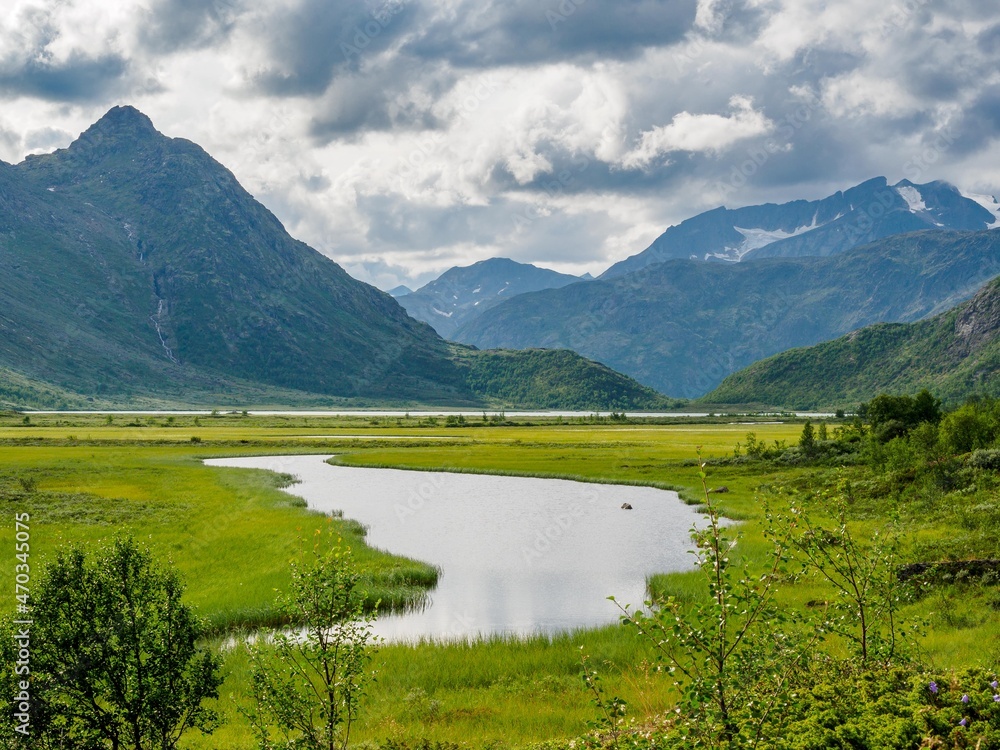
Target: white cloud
[
  {"x": 859, "y": 93},
  {"x": 710, "y": 14},
  {"x": 428, "y": 151},
  {"x": 703, "y": 133}
]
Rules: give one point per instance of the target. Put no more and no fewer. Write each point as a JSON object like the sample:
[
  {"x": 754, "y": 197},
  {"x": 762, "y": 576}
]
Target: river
[{"x": 517, "y": 555}]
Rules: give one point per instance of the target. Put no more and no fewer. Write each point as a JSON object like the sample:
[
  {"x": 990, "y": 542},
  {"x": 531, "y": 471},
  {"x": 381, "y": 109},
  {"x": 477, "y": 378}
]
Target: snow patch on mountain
[
  {"x": 912, "y": 197},
  {"x": 755, "y": 238},
  {"x": 988, "y": 202}
]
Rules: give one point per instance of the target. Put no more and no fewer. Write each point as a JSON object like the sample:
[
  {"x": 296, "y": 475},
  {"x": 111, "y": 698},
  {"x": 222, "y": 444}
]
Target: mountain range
[
  {"x": 462, "y": 294},
  {"x": 865, "y": 213},
  {"x": 135, "y": 266},
  {"x": 682, "y": 326},
  {"x": 954, "y": 355}
]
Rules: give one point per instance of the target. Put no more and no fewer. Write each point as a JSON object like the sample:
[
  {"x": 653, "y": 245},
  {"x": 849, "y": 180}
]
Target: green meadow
[{"x": 232, "y": 532}]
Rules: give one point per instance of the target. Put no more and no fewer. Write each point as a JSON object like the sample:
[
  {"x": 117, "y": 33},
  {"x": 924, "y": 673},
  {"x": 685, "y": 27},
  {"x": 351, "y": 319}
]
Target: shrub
[{"x": 985, "y": 459}]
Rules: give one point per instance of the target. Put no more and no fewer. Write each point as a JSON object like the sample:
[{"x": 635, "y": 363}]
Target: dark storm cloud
[
  {"x": 525, "y": 32},
  {"x": 580, "y": 174},
  {"x": 382, "y": 100},
  {"x": 78, "y": 79},
  {"x": 338, "y": 47},
  {"x": 940, "y": 66},
  {"x": 355, "y": 115},
  {"x": 989, "y": 40},
  {"x": 173, "y": 25},
  {"x": 400, "y": 224},
  {"x": 738, "y": 21},
  {"x": 321, "y": 40},
  {"x": 979, "y": 124},
  {"x": 816, "y": 63}
]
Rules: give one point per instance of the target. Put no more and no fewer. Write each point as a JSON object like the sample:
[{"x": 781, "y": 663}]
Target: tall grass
[{"x": 503, "y": 692}]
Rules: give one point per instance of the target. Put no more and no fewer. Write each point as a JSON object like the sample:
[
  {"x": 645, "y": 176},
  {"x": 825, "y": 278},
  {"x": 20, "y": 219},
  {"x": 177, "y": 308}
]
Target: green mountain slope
[
  {"x": 17, "y": 391},
  {"x": 553, "y": 379},
  {"x": 73, "y": 297},
  {"x": 682, "y": 326},
  {"x": 954, "y": 355},
  {"x": 136, "y": 271},
  {"x": 168, "y": 272}
]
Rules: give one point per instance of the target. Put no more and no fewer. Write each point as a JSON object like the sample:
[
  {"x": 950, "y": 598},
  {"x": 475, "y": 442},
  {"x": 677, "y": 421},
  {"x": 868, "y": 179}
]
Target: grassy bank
[{"x": 230, "y": 532}]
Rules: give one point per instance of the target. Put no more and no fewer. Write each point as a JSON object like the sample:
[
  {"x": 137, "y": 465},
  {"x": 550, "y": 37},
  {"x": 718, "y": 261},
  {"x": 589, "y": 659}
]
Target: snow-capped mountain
[
  {"x": 867, "y": 212},
  {"x": 461, "y": 294},
  {"x": 681, "y": 326}
]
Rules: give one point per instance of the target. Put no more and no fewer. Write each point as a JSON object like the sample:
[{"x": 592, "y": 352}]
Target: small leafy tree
[
  {"x": 612, "y": 717},
  {"x": 755, "y": 448},
  {"x": 807, "y": 440},
  {"x": 733, "y": 653},
  {"x": 114, "y": 658},
  {"x": 867, "y": 596},
  {"x": 926, "y": 408},
  {"x": 974, "y": 425},
  {"x": 893, "y": 416},
  {"x": 308, "y": 686}
]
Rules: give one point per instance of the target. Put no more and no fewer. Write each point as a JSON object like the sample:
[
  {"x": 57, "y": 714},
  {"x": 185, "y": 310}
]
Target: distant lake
[
  {"x": 415, "y": 413},
  {"x": 518, "y": 555}
]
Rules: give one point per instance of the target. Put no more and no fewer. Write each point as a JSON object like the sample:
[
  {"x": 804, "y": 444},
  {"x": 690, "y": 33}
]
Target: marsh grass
[
  {"x": 500, "y": 692},
  {"x": 231, "y": 533}
]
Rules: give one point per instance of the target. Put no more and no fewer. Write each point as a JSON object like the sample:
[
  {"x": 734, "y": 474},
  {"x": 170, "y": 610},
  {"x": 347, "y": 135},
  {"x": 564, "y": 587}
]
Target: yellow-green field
[{"x": 231, "y": 533}]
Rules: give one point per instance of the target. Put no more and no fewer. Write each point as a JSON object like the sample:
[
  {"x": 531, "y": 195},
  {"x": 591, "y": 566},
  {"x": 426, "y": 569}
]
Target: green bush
[
  {"x": 985, "y": 459},
  {"x": 895, "y": 709}
]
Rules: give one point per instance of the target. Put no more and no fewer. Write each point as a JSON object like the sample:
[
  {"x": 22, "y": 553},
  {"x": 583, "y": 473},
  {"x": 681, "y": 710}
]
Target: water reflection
[{"x": 517, "y": 555}]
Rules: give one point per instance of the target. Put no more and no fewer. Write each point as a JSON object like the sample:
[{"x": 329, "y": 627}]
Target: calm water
[
  {"x": 415, "y": 413},
  {"x": 517, "y": 555}
]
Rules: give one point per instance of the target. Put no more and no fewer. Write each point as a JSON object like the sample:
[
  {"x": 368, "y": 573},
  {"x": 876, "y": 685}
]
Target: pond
[{"x": 518, "y": 556}]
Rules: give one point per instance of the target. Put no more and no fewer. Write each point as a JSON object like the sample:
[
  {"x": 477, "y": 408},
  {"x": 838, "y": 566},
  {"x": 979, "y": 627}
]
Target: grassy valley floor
[{"x": 232, "y": 532}]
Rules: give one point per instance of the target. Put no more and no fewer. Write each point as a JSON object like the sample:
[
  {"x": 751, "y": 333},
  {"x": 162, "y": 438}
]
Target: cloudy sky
[{"x": 401, "y": 137}]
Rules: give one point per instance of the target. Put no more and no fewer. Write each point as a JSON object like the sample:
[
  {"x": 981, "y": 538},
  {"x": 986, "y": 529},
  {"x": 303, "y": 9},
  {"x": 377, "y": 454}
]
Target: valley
[
  {"x": 230, "y": 531},
  {"x": 178, "y": 373}
]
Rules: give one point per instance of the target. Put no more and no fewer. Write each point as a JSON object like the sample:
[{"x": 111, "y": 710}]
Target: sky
[{"x": 403, "y": 137}]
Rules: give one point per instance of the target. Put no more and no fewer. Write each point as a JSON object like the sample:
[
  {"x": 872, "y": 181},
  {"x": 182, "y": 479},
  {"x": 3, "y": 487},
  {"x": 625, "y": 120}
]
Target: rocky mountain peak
[{"x": 122, "y": 121}]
